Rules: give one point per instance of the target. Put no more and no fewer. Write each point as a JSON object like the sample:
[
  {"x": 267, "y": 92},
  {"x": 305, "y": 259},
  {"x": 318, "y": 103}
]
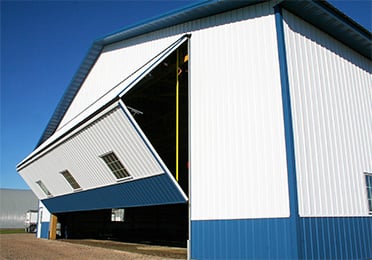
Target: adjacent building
[{"x": 13, "y": 206}]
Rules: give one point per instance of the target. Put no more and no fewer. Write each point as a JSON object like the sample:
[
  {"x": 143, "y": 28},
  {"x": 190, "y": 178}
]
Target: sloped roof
[{"x": 319, "y": 13}]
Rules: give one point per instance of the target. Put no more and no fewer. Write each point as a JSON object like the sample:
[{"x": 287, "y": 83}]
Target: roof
[{"x": 319, "y": 13}]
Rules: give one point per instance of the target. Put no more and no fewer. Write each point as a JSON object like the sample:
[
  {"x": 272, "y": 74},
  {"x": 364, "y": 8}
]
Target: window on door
[
  {"x": 43, "y": 188},
  {"x": 70, "y": 179},
  {"x": 116, "y": 167}
]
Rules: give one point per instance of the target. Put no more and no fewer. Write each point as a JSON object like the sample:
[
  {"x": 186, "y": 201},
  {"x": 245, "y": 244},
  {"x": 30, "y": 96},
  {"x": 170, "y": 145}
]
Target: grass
[{"x": 12, "y": 230}]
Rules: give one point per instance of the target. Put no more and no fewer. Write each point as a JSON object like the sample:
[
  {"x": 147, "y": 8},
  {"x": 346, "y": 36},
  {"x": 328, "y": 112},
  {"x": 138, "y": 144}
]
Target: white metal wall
[
  {"x": 43, "y": 216},
  {"x": 331, "y": 95},
  {"x": 238, "y": 157},
  {"x": 80, "y": 155}
]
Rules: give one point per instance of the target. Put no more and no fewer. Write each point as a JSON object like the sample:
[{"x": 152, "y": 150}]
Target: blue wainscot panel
[
  {"x": 241, "y": 239},
  {"x": 320, "y": 238},
  {"x": 336, "y": 238},
  {"x": 44, "y": 233},
  {"x": 157, "y": 190}
]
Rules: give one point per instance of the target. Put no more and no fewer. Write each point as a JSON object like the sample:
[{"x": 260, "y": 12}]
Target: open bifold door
[{"x": 131, "y": 151}]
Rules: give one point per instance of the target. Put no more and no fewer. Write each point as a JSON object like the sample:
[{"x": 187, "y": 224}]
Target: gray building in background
[{"x": 13, "y": 205}]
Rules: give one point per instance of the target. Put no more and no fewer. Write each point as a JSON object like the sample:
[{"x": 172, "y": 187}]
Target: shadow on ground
[{"x": 146, "y": 249}]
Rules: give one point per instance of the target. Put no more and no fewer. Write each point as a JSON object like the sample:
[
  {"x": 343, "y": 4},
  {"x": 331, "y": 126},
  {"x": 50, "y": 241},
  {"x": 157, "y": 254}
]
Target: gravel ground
[{"x": 27, "y": 246}]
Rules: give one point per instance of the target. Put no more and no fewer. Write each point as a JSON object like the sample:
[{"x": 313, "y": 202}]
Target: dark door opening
[
  {"x": 161, "y": 225},
  {"x": 159, "y": 104}
]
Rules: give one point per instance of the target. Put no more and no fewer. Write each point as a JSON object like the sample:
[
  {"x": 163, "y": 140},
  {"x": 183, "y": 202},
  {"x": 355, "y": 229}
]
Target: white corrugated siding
[
  {"x": 331, "y": 95},
  {"x": 238, "y": 157},
  {"x": 116, "y": 63},
  {"x": 80, "y": 155},
  {"x": 43, "y": 216}
]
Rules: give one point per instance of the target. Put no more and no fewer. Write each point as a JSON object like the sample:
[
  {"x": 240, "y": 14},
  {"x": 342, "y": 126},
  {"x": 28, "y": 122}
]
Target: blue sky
[{"x": 42, "y": 46}]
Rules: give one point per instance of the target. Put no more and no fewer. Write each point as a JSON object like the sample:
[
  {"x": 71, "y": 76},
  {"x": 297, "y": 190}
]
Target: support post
[{"x": 53, "y": 227}]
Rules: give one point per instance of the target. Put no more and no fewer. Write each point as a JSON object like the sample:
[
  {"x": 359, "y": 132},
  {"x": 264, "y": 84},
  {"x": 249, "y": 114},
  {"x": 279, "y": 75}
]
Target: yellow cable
[{"x": 177, "y": 116}]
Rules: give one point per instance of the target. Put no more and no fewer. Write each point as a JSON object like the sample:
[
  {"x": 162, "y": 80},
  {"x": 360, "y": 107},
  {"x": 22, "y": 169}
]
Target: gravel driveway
[{"x": 27, "y": 246}]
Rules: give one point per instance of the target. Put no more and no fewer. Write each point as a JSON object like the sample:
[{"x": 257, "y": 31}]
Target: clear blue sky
[{"x": 42, "y": 46}]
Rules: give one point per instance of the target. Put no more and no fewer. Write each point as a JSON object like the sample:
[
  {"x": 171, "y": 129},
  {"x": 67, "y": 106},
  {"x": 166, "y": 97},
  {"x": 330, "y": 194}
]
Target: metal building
[
  {"x": 242, "y": 127},
  {"x": 13, "y": 206}
]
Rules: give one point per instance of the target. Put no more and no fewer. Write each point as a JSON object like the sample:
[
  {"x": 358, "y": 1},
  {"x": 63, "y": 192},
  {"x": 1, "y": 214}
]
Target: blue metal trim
[
  {"x": 336, "y": 238},
  {"x": 191, "y": 12},
  {"x": 156, "y": 190},
  {"x": 241, "y": 239},
  {"x": 44, "y": 232},
  {"x": 333, "y": 22},
  {"x": 288, "y": 130}
]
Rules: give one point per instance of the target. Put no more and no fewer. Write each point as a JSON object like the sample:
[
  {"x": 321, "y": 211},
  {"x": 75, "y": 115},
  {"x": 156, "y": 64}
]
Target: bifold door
[{"x": 130, "y": 151}]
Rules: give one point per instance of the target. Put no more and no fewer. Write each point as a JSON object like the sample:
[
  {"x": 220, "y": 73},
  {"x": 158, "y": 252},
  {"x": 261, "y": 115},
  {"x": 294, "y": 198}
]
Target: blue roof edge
[
  {"x": 335, "y": 23},
  {"x": 356, "y": 37},
  {"x": 71, "y": 91}
]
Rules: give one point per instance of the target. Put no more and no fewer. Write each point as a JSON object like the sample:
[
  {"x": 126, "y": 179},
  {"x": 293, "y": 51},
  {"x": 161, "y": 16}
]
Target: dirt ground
[{"x": 27, "y": 246}]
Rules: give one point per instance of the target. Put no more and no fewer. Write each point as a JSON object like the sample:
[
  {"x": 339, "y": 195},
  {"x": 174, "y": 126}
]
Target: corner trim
[{"x": 288, "y": 131}]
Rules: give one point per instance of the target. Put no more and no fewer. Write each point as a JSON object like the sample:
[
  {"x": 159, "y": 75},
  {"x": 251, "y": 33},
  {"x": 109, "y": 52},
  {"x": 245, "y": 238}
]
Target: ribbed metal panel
[
  {"x": 156, "y": 190},
  {"x": 44, "y": 230},
  {"x": 80, "y": 153},
  {"x": 238, "y": 157},
  {"x": 331, "y": 94},
  {"x": 241, "y": 239},
  {"x": 13, "y": 206},
  {"x": 336, "y": 238}
]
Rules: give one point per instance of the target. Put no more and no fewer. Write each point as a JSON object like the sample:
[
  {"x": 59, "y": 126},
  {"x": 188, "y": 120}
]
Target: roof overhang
[{"x": 323, "y": 15}]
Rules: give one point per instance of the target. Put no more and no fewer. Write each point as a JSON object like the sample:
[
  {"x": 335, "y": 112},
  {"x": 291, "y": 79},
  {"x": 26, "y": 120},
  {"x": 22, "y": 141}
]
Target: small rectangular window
[
  {"x": 117, "y": 215},
  {"x": 44, "y": 188},
  {"x": 116, "y": 167},
  {"x": 369, "y": 191},
  {"x": 70, "y": 179}
]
